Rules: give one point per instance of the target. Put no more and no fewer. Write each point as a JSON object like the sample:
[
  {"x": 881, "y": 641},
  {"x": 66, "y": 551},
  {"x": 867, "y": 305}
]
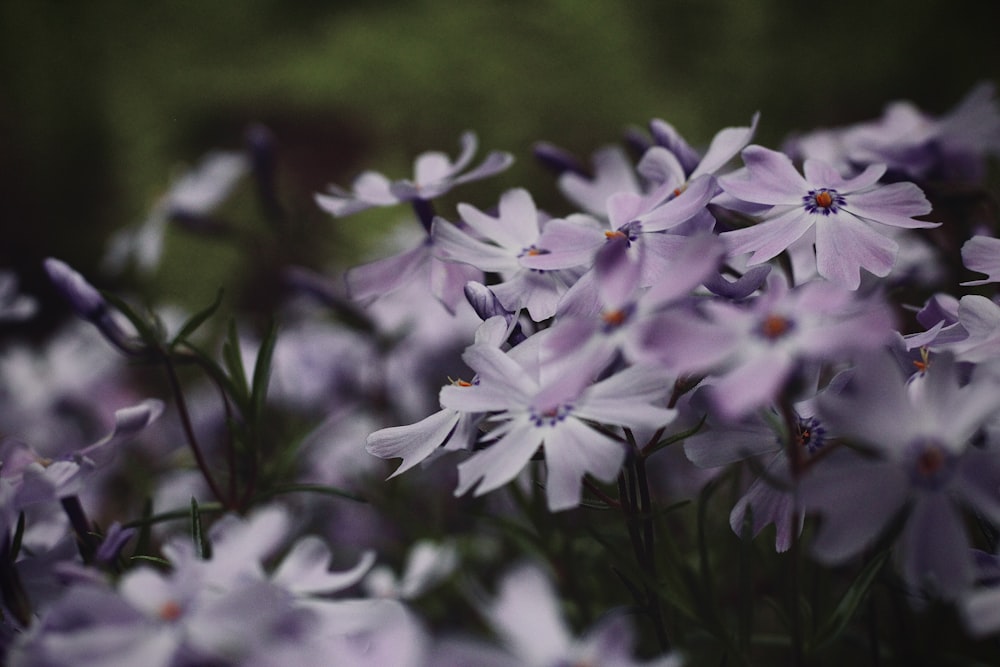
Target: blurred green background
[{"x": 103, "y": 102}]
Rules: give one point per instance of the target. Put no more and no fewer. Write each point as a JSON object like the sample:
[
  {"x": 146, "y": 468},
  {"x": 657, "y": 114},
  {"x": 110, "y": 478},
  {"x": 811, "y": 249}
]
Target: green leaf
[
  {"x": 831, "y": 630},
  {"x": 173, "y": 515},
  {"x": 148, "y": 331},
  {"x": 234, "y": 364},
  {"x": 196, "y": 320},
  {"x": 310, "y": 488},
  {"x": 262, "y": 371},
  {"x": 156, "y": 560},
  {"x": 203, "y": 548}
]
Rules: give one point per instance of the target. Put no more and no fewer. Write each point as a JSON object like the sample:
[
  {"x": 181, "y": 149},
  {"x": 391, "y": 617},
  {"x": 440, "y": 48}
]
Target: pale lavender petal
[
  {"x": 712, "y": 448},
  {"x": 431, "y": 167},
  {"x": 629, "y": 413},
  {"x": 566, "y": 243},
  {"x": 856, "y": 499},
  {"x": 499, "y": 463},
  {"x": 616, "y": 274},
  {"x": 695, "y": 263},
  {"x": 375, "y": 279},
  {"x": 768, "y": 505},
  {"x": 725, "y": 145},
  {"x": 845, "y": 245},
  {"x": 767, "y": 239},
  {"x": 452, "y": 244},
  {"x": 894, "y": 204},
  {"x": 770, "y": 178},
  {"x": 306, "y": 569},
  {"x": 448, "y": 280},
  {"x": 612, "y": 173},
  {"x": 414, "y": 442},
  {"x": 493, "y": 163},
  {"x": 752, "y": 384},
  {"x": 933, "y": 548},
  {"x": 982, "y": 255},
  {"x": 572, "y": 450},
  {"x": 661, "y": 166},
  {"x": 527, "y": 616},
  {"x": 685, "y": 344},
  {"x": 681, "y": 208}
]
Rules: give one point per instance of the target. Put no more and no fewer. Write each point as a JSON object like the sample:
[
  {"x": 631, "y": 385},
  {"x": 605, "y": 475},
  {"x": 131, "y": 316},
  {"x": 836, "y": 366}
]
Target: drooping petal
[
  {"x": 845, "y": 245},
  {"x": 414, "y": 442},
  {"x": 573, "y": 450},
  {"x": 306, "y": 569},
  {"x": 933, "y": 548},
  {"x": 982, "y": 254}
]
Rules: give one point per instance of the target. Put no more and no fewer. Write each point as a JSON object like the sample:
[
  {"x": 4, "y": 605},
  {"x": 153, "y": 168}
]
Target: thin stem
[
  {"x": 175, "y": 387},
  {"x": 646, "y": 511},
  {"x": 597, "y": 491}
]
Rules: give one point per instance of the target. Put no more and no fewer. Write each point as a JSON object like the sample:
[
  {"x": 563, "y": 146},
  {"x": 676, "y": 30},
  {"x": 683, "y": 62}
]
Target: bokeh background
[{"x": 103, "y": 103}]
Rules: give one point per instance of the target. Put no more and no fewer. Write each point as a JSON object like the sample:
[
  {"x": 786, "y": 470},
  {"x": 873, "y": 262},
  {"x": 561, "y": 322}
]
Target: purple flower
[
  {"x": 753, "y": 350},
  {"x": 552, "y": 404},
  {"x": 840, "y": 215},
  {"x": 526, "y": 617},
  {"x": 915, "y": 144},
  {"x": 918, "y": 438},
  {"x": 434, "y": 174},
  {"x": 500, "y": 245}
]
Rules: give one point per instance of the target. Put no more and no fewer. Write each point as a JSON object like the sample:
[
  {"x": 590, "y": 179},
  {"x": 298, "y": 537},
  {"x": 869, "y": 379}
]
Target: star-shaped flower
[{"x": 842, "y": 214}]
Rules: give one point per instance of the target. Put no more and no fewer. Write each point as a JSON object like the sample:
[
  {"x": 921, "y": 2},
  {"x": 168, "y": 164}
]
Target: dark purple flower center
[
  {"x": 810, "y": 434},
  {"x": 824, "y": 201},
  {"x": 629, "y": 231},
  {"x": 550, "y": 416}
]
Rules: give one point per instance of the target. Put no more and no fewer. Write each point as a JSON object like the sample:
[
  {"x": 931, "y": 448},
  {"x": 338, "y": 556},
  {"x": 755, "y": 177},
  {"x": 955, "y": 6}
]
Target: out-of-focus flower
[
  {"x": 434, "y": 174},
  {"x": 526, "y": 617},
  {"x": 918, "y": 435},
  {"x": 14, "y": 306},
  {"x": 952, "y": 147},
  {"x": 193, "y": 196}
]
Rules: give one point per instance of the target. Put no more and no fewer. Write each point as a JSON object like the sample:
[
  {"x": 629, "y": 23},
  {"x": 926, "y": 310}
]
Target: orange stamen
[
  {"x": 617, "y": 234},
  {"x": 775, "y": 326},
  {"x": 824, "y": 199},
  {"x": 170, "y": 611},
  {"x": 930, "y": 461},
  {"x": 613, "y": 318}
]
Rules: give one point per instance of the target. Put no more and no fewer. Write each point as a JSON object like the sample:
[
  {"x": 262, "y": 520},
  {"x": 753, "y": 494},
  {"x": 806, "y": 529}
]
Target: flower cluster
[{"x": 703, "y": 335}]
